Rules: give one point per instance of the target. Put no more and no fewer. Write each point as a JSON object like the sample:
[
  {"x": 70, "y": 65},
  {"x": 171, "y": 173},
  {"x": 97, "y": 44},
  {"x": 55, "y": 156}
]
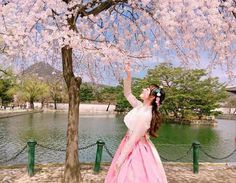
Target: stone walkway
[{"x": 176, "y": 173}]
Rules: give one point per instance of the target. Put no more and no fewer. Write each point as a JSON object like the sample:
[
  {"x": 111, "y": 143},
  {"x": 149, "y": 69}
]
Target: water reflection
[{"x": 49, "y": 129}]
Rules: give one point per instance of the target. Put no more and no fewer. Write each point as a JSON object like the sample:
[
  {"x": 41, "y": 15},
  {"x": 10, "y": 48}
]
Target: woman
[{"x": 136, "y": 159}]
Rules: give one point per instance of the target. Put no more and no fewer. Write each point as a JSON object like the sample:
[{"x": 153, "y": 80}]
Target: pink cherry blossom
[{"x": 135, "y": 30}]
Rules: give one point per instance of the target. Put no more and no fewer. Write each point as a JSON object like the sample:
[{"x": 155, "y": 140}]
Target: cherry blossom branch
[
  {"x": 101, "y": 7},
  {"x": 4, "y": 22},
  {"x": 168, "y": 35},
  {"x": 4, "y": 71}
]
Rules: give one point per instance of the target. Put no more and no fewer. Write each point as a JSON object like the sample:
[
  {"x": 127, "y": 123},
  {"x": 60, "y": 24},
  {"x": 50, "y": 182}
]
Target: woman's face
[{"x": 145, "y": 93}]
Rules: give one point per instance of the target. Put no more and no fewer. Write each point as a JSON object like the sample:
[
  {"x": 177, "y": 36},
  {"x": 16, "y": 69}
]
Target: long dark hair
[{"x": 156, "y": 121}]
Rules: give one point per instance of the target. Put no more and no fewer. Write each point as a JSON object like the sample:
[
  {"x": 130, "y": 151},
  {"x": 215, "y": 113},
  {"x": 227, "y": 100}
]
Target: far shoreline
[{"x": 91, "y": 110}]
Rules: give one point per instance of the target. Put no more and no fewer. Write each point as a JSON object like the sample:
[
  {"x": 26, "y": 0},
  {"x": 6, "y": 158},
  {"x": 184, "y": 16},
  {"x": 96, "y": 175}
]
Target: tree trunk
[
  {"x": 108, "y": 106},
  {"x": 55, "y": 104},
  {"x": 42, "y": 103},
  {"x": 72, "y": 168},
  {"x": 31, "y": 104},
  {"x": 166, "y": 112},
  {"x": 234, "y": 111},
  {"x": 176, "y": 114}
]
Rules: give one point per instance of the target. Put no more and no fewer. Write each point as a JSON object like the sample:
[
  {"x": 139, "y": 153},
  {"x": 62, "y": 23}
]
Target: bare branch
[
  {"x": 4, "y": 71},
  {"x": 98, "y": 9}
]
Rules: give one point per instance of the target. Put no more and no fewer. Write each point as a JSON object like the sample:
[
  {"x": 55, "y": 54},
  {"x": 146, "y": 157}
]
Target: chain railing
[
  {"x": 108, "y": 152},
  {"x": 216, "y": 158},
  {"x": 64, "y": 150},
  {"x": 179, "y": 158},
  {"x": 50, "y": 148},
  {"x": 195, "y": 148},
  {"x": 15, "y": 156},
  {"x": 86, "y": 147}
]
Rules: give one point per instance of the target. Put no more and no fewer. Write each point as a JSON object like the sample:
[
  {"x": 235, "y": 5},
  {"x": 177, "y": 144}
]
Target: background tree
[
  {"x": 56, "y": 91},
  {"x": 107, "y": 95},
  {"x": 31, "y": 89},
  {"x": 7, "y": 82},
  {"x": 45, "y": 95},
  {"x": 189, "y": 91},
  {"x": 87, "y": 93}
]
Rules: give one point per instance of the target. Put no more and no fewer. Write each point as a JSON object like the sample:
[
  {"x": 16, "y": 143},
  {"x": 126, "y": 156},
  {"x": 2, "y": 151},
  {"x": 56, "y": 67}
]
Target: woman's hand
[{"x": 128, "y": 69}]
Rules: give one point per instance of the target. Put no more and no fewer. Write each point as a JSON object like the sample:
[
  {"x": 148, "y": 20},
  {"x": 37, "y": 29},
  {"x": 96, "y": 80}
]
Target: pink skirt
[{"x": 142, "y": 165}]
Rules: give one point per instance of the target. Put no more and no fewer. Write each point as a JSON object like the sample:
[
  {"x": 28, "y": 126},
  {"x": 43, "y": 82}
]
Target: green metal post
[
  {"x": 31, "y": 156},
  {"x": 100, "y": 145},
  {"x": 196, "y": 146}
]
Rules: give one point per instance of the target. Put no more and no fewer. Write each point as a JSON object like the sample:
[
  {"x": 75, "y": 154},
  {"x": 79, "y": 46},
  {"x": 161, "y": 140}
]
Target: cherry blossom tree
[{"x": 96, "y": 36}]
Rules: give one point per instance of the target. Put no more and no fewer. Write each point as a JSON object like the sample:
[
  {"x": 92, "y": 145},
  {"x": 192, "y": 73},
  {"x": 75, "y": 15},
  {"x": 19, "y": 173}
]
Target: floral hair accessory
[
  {"x": 158, "y": 102},
  {"x": 158, "y": 91}
]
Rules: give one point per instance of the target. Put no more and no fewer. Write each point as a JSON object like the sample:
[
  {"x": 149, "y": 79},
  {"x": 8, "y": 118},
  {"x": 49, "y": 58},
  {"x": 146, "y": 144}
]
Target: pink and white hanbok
[{"x": 139, "y": 159}]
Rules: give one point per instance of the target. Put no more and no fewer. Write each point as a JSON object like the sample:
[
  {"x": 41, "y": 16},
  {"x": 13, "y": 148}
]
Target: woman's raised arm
[{"x": 127, "y": 88}]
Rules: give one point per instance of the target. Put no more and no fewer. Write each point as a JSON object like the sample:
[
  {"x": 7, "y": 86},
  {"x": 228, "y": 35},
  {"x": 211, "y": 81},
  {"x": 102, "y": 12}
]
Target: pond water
[{"x": 49, "y": 129}]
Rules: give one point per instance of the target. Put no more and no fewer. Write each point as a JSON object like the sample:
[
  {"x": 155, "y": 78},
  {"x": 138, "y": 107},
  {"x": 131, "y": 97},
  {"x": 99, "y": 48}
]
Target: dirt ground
[{"x": 176, "y": 173}]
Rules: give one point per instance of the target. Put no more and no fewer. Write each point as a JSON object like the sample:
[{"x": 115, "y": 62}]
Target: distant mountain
[
  {"x": 43, "y": 71},
  {"x": 46, "y": 72}
]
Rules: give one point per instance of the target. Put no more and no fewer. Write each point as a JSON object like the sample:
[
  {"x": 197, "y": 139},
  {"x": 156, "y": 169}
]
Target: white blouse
[{"x": 140, "y": 114}]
